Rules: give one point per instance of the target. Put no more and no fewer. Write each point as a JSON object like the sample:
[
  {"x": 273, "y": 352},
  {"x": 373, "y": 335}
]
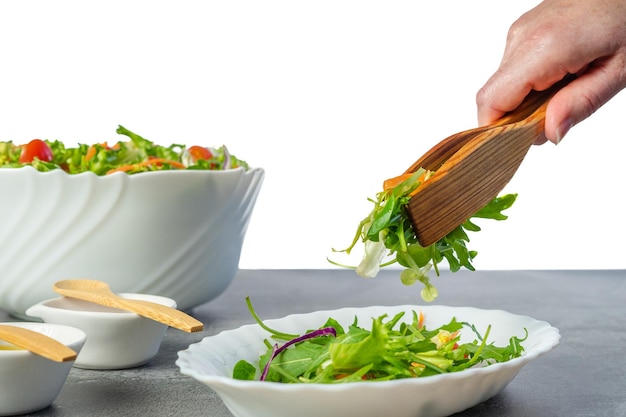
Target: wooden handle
[
  {"x": 442, "y": 151},
  {"x": 163, "y": 314},
  {"x": 445, "y": 149},
  {"x": 98, "y": 292},
  {"x": 37, "y": 343}
]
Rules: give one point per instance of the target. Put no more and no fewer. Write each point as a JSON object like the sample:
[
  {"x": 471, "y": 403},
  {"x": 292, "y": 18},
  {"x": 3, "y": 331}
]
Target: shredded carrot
[
  {"x": 154, "y": 161},
  {"x": 420, "y": 321},
  {"x": 416, "y": 369},
  {"x": 391, "y": 183},
  {"x": 91, "y": 152}
]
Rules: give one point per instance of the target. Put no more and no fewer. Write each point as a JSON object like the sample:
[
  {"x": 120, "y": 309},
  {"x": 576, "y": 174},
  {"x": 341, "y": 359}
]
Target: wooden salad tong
[{"x": 473, "y": 166}]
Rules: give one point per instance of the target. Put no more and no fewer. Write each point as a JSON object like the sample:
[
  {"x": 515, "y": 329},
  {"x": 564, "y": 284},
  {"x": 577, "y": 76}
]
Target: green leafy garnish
[
  {"x": 387, "y": 232},
  {"x": 133, "y": 154},
  {"x": 390, "y": 349},
  {"x": 244, "y": 370}
]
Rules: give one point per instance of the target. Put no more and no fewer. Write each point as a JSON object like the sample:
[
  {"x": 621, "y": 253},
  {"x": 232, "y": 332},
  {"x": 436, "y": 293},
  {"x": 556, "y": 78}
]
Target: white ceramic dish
[
  {"x": 177, "y": 234},
  {"x": 211, "y": 362},
  {"x": 116, "y": 339},
  {"x": 29, "y": 382}
]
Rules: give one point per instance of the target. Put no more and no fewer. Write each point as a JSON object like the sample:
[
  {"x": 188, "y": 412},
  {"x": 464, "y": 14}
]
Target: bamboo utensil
[
  {"x": 473, "y": 166},
  {"x": 37, "y": 343},
  {"x": 99, "y": 292}
]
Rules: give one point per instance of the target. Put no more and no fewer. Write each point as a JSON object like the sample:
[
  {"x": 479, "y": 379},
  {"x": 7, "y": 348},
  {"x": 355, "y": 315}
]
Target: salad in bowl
[
  {"x": 133, "y": 155},
  {"x": 142, "y": 217}
]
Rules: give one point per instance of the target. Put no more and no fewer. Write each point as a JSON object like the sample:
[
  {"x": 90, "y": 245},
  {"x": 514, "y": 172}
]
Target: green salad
[
  {"x": 132, "y": 155},
  {"x": 388, "y": 236},
  {"x": 391, "y": 349}
]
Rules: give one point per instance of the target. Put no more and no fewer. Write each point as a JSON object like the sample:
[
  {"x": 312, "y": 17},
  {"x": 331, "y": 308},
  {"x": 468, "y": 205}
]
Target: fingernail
[{"x": 562, "y": 130}]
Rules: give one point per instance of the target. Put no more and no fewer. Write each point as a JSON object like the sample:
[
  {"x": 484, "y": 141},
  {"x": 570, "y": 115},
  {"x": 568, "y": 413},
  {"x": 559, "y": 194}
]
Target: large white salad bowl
[
  {"x": 211, "y": 362},
  {"x": 174, "y": 233}
]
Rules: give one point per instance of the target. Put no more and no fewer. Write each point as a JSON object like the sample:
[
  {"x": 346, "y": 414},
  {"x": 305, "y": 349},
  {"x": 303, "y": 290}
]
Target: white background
[{"x": 329, "y": 97}]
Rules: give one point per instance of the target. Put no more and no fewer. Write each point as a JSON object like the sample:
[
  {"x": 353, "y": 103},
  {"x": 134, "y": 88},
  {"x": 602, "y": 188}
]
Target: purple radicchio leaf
[
  {"x": 227, "y": 158},
  {"x": 326, "y": 331}
]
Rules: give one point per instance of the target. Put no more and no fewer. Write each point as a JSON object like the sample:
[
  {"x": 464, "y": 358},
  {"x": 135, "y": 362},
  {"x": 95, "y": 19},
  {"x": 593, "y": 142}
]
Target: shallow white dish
[
  {"x": 211, "y": 362},
  {"x": 29, "y": 382},
  {"x": 116, "y": 339}
]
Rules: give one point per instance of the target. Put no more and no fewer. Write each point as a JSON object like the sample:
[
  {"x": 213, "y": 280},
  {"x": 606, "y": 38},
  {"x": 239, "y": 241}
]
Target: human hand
[{"x": 556, "y": 38}]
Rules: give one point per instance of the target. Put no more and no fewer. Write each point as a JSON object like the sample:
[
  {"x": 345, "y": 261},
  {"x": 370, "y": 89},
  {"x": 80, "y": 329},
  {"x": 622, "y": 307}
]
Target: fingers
[
  {"x": 571, "y": 105},
  {"x": 535, "y": 67},
  {"x": 580, "y": 99},
  {"x": 506, "y": 90},
  {"x": 555, "y": 38},
  {"x": 492, "y": 105},
  {"x": 534, "y": 58}
]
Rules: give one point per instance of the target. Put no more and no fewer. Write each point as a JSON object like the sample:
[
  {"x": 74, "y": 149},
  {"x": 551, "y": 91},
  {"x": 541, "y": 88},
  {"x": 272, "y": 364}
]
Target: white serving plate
[{"x": 211, "y": 361}]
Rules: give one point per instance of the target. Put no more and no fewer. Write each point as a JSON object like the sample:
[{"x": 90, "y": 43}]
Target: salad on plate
[{"x": 392, "y": 348}]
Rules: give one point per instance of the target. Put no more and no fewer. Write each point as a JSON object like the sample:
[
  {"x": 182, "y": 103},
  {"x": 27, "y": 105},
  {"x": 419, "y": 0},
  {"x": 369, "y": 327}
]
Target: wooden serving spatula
[
  {"x": 473, "y": 166},
  {"x": 99, "y": 292},
  {"x": 37, "y": 343}
]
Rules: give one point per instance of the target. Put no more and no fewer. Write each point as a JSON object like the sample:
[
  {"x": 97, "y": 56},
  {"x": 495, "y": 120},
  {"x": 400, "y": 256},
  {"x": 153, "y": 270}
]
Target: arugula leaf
[
  {"x": 369, "y": 347},
  {"x": 301, "y": 361},
  {"x": 244, "y": 370},
  {"x": 388, "y": 232},
  {"x": 494, "y": 209}
]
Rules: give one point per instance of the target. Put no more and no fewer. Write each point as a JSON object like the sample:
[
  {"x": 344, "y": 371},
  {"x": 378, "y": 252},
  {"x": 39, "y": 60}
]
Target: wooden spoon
[
  {"x": 37, "y": 343},
  {"x": 473, "y": 166},
  {"x": 99, "y": 292}
]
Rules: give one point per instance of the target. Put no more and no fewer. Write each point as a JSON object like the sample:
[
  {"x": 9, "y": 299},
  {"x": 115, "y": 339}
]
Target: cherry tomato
[
  {"x": 200, "y": 152},
  {"x": 36, "y": 148}
]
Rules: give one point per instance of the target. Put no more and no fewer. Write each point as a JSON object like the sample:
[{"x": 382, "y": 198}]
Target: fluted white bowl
[
  {"x": 211, "y": 362},
  {"x": 176, "y": 234},
  {"x": 29, "y": 382}
]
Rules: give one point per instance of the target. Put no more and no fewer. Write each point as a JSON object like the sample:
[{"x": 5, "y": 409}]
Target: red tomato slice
[
  {"x": 36, "y": 148},
  {"x": 200, "y": 152}
]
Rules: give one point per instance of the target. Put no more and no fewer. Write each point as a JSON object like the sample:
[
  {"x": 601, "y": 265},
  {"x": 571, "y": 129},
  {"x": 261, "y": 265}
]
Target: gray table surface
[{"x": 583, "y": 376}]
